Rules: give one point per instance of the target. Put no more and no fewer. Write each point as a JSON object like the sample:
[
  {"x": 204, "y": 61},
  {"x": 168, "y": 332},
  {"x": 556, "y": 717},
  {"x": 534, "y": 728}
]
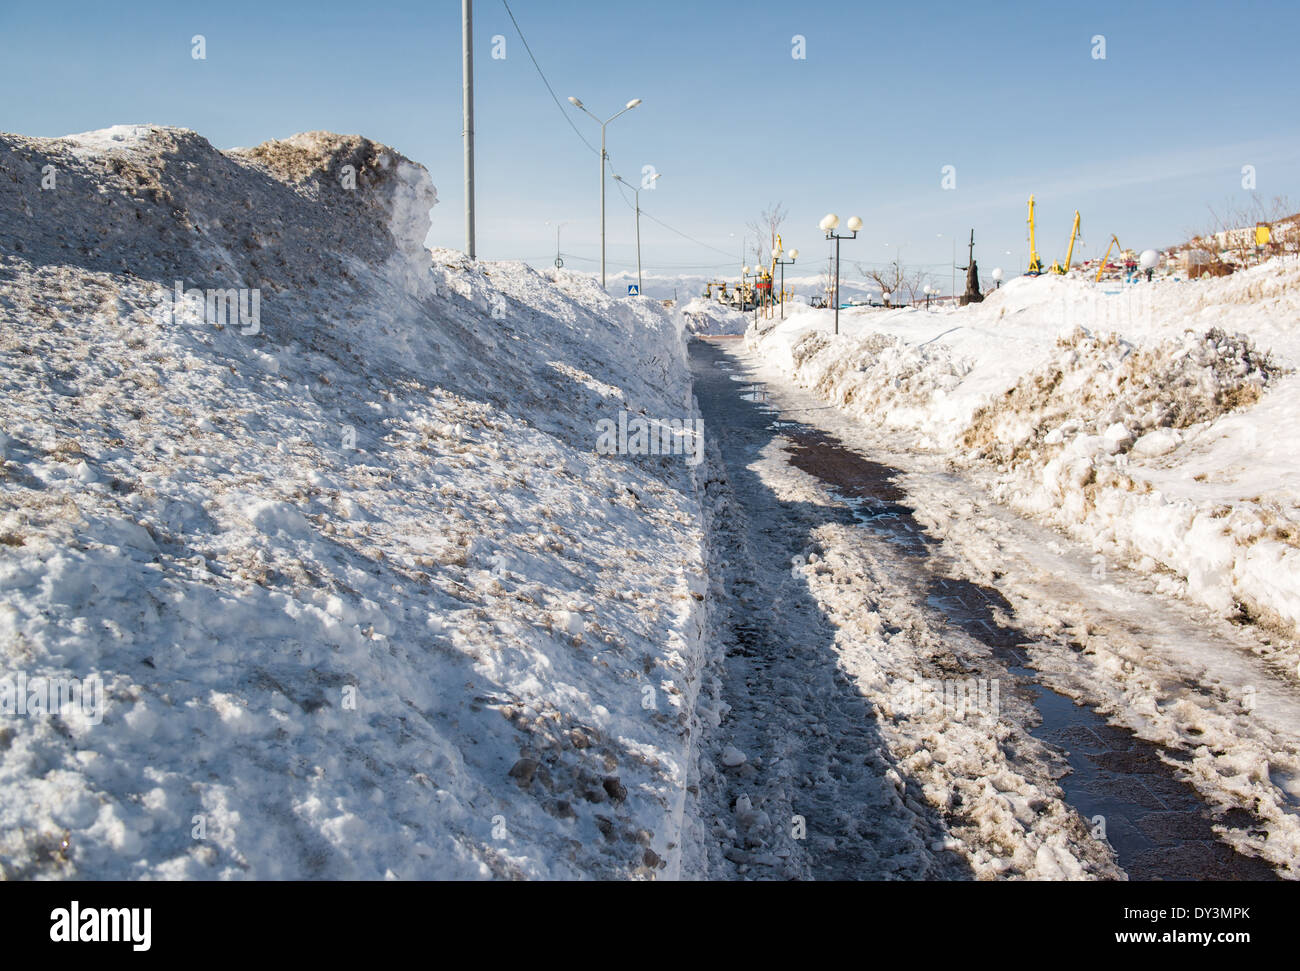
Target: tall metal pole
[
  {"x": 637, "y": 193},
  {"x": 602, "y": 205},
  {"x": 467, "y": 18},
  {"x": 837, "y": 284}
]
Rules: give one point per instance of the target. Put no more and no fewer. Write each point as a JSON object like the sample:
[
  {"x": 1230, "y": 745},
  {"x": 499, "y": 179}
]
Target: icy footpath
[
  {"x": 1157, "y": 424},
  {"x": 364, "y": 600}
]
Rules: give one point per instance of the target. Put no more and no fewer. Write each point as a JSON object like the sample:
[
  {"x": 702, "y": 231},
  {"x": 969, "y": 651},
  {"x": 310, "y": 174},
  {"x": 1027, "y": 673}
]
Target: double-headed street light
[
  {"x": 636, "y": 189},
  {"x": 830, "y": 222},
  {"x": 783, "y": 263},
  {"x": 604, "y": 156}
]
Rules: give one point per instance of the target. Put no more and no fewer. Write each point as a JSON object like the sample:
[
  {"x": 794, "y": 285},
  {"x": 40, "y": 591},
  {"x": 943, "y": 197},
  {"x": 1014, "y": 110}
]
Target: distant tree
[
  {"x": 895, "y": 279},
  {"x": 765, "y": 229},
  {"x": 1232, "y": 229}
]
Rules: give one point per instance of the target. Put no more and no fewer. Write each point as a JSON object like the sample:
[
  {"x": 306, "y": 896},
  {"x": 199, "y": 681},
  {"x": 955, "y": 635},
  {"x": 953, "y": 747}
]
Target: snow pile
[
  {"x": 708, "y": 317},
  {"x": 1155, "y": 422},
  {"x": 329, "y": 528}
]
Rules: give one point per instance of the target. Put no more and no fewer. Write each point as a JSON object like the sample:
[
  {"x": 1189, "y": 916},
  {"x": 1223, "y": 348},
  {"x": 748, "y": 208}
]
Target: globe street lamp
[
  {"x": 830, "y": 222},
  {"x": 997, "y": 278},
  {"x": 794, "y": 255},
  {"x": 604, "y": 156},
  {"x": 636, "y": 190}
]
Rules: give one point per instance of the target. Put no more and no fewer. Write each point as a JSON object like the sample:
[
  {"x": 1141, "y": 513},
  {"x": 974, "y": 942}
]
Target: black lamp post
[
  {"x": 830, "y": 222},
  {"x": 794, "y": 255}
]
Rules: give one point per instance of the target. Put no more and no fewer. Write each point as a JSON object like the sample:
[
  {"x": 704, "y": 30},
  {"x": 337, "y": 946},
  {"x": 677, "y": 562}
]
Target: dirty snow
[
  {"x": 364, "y": 600},
  {"x": 1150, "y": 434}
]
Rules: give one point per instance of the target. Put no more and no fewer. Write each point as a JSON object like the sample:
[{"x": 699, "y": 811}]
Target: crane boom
[
  {"x": 1114, "y": 241},
  {"x": 1057, "y": 268},
  {"x": 1074, "y": 234},
  {"x": 1035, "y": 264}
]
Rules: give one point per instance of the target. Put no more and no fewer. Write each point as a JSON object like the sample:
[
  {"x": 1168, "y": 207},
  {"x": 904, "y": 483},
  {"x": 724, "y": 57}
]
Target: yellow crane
[
  {"x": 1114, "y": 241},
  {"x": 1069, "y": 255},
  {"x": 1035, "y": 264}
]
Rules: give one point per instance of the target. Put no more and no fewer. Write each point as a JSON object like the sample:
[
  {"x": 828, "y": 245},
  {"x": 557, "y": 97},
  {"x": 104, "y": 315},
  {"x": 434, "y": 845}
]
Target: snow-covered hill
[{"x": 363, "y": 599}]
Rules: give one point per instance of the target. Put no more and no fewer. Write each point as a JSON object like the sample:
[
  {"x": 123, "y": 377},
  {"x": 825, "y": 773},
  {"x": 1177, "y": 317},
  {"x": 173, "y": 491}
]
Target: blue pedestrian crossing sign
[{"x": 633, "y": 290}]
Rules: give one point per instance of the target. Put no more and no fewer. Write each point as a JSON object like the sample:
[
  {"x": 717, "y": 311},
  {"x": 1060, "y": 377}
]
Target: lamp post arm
[{"x": 619, "y": 115}]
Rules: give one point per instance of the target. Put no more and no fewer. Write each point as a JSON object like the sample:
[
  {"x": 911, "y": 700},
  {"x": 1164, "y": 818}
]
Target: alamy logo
[
  {"x": 219, "y": 307},
  {"x": 50, "y": 696},
  {"x": 636, "y": 435},
  {"x": 98, "y": 924}
]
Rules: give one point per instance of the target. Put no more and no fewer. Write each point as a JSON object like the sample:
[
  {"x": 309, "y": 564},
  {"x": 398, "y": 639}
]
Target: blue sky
[{"x": 1142, "y": 142}]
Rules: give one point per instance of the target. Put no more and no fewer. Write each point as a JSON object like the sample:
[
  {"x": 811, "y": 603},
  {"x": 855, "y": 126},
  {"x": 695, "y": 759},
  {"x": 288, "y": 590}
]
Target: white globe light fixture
[
  {"x": 830, "y": 222},
  {"x": 1149, "y": 259},
  {"x": 997, "y": 277},
  {"x": 783, "y": 259}
]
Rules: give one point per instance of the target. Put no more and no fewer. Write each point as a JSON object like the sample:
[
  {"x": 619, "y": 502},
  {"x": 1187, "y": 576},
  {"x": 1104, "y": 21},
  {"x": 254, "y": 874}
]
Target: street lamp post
[
  {"x": 559, "y": 261},
  {"x": 830, "y": 222},
  {"x": 467, "y": 34},
  {"x": 604, "y": 156},
  {"x": 794, "y": 255},
  {"x": 997, "y": 278},
  {"x": 636, "y": 191}
]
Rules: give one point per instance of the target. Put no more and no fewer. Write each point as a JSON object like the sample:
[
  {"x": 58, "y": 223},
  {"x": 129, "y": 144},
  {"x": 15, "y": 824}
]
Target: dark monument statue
[{"x": 972, "y": 294}]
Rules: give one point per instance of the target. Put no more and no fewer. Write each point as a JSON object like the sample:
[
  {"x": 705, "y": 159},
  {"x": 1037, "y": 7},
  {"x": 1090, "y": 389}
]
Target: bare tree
[
  {"x": 765, "y": 229},
  {"x": 1232, "y": 229},
  {"x": 896, "y": 280}
]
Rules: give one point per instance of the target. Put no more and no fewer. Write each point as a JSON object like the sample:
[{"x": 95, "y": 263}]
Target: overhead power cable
[
  {"x": 542, "y": 75},
  {"x": 592, "y": 148},
  {"x": 671, "y": 229}
]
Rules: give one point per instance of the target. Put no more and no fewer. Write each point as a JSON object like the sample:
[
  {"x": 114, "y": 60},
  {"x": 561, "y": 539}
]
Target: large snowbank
[
  {"x": 708, "y": 317},
  {"x": 364, "y": 601},
  {"x": 1157, "y": 422}
]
